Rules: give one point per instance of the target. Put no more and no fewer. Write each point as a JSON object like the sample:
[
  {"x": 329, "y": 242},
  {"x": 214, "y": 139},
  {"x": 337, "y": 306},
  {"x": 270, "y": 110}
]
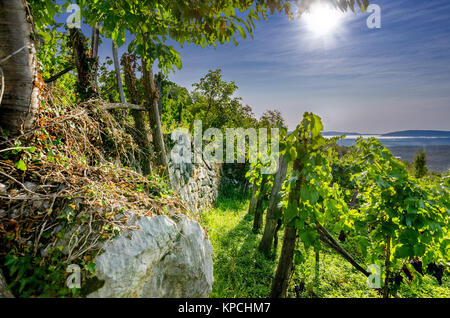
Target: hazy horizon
[{"x": 376, "y": 133}]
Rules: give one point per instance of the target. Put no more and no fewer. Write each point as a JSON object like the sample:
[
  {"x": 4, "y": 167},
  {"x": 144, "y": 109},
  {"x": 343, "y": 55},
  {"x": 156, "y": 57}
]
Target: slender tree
[
  {"x": 95, "y": 39},
  {"x": 118, "y": 75},
  {"x": 85, "y": 65},
  {"x": 284, "y": 268},
  {"x": 151, "y": 95},
  {"x": 420, "y": 164},
  {"x": 253, "y": 198},
  {"x": 140, "y": 134}
]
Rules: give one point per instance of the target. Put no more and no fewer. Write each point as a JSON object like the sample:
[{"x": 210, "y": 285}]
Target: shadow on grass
[{"x": 239, "y": 269}]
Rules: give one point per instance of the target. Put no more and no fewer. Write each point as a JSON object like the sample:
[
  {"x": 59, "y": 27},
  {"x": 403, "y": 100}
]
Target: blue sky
[{"x": 357, "y": 79}]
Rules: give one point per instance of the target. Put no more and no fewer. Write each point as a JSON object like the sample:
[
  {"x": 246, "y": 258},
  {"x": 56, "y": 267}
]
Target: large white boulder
[
  {"x": 163, "y": 258},
  {"x": 4, "y": 293}
]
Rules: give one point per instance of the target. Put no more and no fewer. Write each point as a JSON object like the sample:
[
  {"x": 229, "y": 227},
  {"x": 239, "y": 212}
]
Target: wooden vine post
[
  {"x": 283, "y": 273},
  {"x": 253, "y": 199},
  {"x": 310, "y": 199},
  {"x": 259, "y": 209},
  {"x": 273, "y": 210}
]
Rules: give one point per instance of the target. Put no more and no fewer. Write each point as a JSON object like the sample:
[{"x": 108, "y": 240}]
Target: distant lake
[
  {"x": 405, "y": 148},
  {"x": 389, "y": 141}
]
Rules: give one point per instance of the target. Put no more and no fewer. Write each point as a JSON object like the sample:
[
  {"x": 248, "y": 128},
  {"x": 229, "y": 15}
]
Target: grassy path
[{"x": 240, "y": 271}]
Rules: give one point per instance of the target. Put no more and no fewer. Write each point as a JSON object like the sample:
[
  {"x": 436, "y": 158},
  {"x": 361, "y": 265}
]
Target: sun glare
[{"x": 323, "y": 20}]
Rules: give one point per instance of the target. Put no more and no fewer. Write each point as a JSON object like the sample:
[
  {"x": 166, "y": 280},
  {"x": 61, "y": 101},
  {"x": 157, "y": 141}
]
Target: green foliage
[
  {"x": 272, "y": 119},
  {"x": 215, "y": 105},
  {"x": 319, "y": 201},
  {"x": 33, "y": 276},
  {"x": 20, "y": 165},
  {"x": 396, "y": 217},
  {"x": 44, "y": 12},
  {"x": 176, "y": 101},
  {"x": 410, "y": 214},
  {"x": 153, "y": 22},
  {"x": 53, "y": 53}
]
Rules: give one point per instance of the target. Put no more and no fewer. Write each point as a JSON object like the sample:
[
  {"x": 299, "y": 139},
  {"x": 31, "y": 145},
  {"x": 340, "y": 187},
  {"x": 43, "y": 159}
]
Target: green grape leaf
[{"x": 21, "y": 165}]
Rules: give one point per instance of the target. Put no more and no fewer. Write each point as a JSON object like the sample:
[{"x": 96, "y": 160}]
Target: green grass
[{"x": 241, "y": 271}]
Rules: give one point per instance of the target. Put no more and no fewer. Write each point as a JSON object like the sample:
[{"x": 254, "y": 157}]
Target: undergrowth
[
  {"x": 241, "y": 271},
  {"x": 68, "y": 185}
]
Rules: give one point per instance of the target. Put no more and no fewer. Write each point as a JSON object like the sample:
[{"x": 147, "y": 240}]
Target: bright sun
[{"x": 322, "y": 20}]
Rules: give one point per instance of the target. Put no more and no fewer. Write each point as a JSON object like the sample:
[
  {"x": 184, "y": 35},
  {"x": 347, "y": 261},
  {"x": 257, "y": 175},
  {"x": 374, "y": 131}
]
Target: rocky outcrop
[{"x": 163, "y": 258}]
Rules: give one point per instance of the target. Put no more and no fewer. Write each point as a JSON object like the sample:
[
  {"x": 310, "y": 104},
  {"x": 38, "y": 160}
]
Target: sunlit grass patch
[{"x": 241, "y": 271}]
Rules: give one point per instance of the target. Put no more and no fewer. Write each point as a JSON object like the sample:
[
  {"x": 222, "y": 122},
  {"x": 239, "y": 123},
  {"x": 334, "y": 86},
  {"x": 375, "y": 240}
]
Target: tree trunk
[
  {"x": 119, "y": 77},
  {"x": 281, "y": 280},
  {"x": 117, "y": 71},
  {"x": 317, "y": 271},
  {"x": 20, "y": 103},
  {"x": 259, "y": 210},
  {"x": 158, "y": 86},
  {"x": 283, "y": 273},
  {"x": 275, "y": 237},
  {"x": 253, "y": 199},
  {"x": 141, "y": 134},
  {"x": 86, "y": 86},
  {"x": 95, "y": 39},
  {"x": 273, "y": 209},
  {"x": 152, "y": 95}
]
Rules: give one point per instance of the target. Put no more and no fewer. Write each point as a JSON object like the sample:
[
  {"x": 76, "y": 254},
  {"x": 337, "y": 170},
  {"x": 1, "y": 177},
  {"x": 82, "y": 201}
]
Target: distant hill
[{"x": 418, "y": 133}]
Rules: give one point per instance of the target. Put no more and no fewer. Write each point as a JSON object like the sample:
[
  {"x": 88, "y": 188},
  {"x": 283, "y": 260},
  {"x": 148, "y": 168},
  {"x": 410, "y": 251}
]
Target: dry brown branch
[
  {"x": 29, "y": 132},
  {"x": 110, "y": 106},
  {"x": 82, "y": 170}
]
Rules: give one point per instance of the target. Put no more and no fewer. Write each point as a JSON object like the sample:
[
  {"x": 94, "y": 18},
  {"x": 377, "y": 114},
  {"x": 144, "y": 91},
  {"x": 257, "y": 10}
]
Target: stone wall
[{"x": 197, "y": 183}]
